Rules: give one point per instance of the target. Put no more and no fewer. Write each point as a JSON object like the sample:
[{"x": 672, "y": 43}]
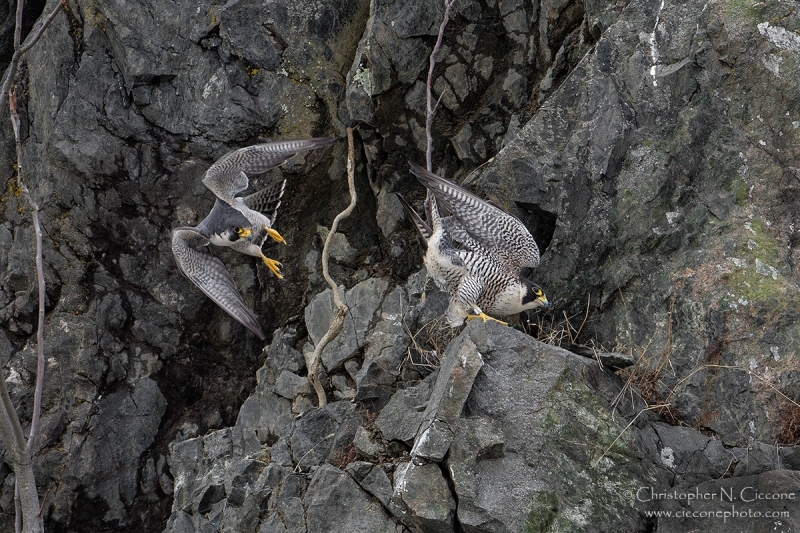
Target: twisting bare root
[{"x": 314, "y": 361}]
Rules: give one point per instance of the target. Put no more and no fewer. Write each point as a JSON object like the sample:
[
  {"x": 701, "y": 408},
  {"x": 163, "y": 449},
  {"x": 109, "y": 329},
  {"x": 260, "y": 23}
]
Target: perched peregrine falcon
[
  {"x": 241, "y": 223},
  {"x": 483, "y": 279}
]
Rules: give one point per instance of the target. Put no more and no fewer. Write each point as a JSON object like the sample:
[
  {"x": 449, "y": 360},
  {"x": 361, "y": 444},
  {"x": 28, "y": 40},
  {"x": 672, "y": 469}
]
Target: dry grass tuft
[
  {"x": 645, "y": 377},
  {"x": 560, "y": 333},
  {"x": 341, "y": 459},
  {"x": 429, "y": 342},
  {"x": 790, "y": 423}
]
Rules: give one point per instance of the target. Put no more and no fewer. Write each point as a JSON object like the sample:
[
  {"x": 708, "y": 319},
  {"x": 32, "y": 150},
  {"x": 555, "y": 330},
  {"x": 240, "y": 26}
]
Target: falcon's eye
[
  {"x": 242, "y": 232},
  {"x": 538, "y": 292}
]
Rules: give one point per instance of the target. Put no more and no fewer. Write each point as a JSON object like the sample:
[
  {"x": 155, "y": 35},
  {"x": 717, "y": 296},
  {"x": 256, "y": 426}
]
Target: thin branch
[
  {"x": 466, "y": 181},
  {"x": 299, "y": 461},
  {"x": 18, "y": 25},
  {"x": 25, "y": 492},
  {"x": 10, "y": 421},
  {"x": 37, "y": 395},
  {"x": 44, "y": 500},
  {"x": 338, "y": 299},
  {"x": 438, "y": 101},
  {"x": 337, "y": 324},
  {"x": 26, "y": 500},
  {"x": 747, "y": 371},
  {"x": 430, "y": 108},
  {"x": 32, "y": 38}
]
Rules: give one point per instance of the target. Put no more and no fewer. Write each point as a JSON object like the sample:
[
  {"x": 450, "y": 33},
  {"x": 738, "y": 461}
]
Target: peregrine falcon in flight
[
  {"x": 484, "y": 278},
  {"x": 241, "y": 223}
]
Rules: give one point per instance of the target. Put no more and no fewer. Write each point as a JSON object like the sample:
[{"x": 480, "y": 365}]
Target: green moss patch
[{"x": 544, "y": 508}]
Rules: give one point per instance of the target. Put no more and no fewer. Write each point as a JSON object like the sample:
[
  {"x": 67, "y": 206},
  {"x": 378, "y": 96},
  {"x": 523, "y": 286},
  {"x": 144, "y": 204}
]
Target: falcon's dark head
[
  {"x": 233, "y": 234},
  {"x": 226, "y": 224},
  {"x": 532, "y": 295}
]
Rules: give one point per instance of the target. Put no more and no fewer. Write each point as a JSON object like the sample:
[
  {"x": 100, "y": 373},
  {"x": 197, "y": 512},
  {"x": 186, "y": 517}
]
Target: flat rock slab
[
  {"x": 461, "y": 363},
  {"x": 334, "y": 502},
  {"x": 422, "y": 497},
  {"x": 402, "y": 416},
  {"x": 372, "y": 479}
]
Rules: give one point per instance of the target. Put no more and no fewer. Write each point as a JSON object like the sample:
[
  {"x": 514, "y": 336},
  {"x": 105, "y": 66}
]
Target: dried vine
[
  {"x": 313, "y": 362},
  {"x": 430, "y": 107},
  {"x": 26, "y": 499}
]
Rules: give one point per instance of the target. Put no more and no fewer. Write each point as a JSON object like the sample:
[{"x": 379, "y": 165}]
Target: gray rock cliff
[{"x": 652, "y": 148}]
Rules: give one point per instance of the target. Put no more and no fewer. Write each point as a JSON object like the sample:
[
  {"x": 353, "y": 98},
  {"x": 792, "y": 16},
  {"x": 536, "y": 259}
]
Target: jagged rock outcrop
[
  {"x": 516, "y": 435},
  {"x": 124, "y": 105},
  {"x": 651, "y": 148},
  {"x": 681, "y": 191},
  {"x": 502, "y": 405}
]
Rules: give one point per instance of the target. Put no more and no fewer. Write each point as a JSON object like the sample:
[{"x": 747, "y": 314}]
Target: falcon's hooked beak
[
  {"x": 544, "y": 304},
  {"x": 242, "y": 232}
]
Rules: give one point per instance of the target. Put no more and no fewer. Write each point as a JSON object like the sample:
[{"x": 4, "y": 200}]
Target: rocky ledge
[{"x": 506, "y": 433}]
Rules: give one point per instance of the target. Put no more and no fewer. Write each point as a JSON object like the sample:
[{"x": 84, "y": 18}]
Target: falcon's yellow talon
[
  {"x": 273, "y": 265},
  {"x": 483, "y": 316},
  {"x": 275, "y": 235}
]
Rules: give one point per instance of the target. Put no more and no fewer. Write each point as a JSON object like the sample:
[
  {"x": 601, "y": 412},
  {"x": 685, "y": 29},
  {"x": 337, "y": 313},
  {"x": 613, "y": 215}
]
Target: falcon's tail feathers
[
  {"x": 267, "y": 200},
  {"x": 454, "y": 198},
  {"x": 420, "y": 225}
]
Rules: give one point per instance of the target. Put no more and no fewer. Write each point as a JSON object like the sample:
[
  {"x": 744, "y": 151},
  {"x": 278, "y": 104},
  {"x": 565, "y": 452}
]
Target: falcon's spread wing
[
  {"x": 493, "y": 228},
  {"x": 228, "y": 175},
  {"x": 423, "y": 230},
  {"x": 211, "y": 276}
]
